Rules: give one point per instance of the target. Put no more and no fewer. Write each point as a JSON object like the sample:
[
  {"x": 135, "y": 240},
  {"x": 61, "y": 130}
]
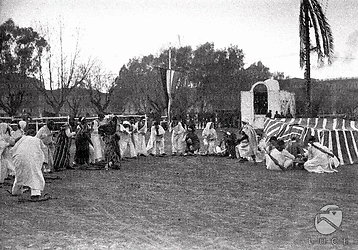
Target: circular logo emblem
[{"x": 329, "y": 219}]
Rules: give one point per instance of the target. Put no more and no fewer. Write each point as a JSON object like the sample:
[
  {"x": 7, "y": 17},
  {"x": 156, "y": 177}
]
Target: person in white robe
[
  {"x": 20, "y": 131},
  {"x": 139, "y": 139},
  {"x": 279, "y": 158},
  {"x": 97, "y": 154},
  {"x": 134, "y": 124},
  {"x": 125, "y": 141},
  {"x": 247, "y": 148},
  {"x": 156, "y": 140},
  {"x": 320, "y": 158},
  {"x": 28, "y": 155},
  {"x": 209, "y": 139},
  {"x": 6, "y": 141},
  {"x": 261, "y": 146},
  {"x": 178, "y": 134},
  {"x": 45, "y": 134}
]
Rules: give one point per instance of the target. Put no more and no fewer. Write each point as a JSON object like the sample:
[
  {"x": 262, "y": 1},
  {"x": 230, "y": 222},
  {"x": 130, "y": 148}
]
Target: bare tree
[
  {"x": 76, "y": 105},
  {"x": 100, "y": 85},
  {"x": 61, "y": 72}
]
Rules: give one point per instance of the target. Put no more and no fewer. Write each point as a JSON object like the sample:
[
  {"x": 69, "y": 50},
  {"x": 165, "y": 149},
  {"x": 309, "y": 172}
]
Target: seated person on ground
[
  {"x": 279, "y": 158},
  {"x": 271, "y": 144},
  {"x": 295, "y": 147},
  {"x": 243, "y": 150},
  {"x": 221, "y": 149},
  {"x": 246, "y": 148},
  {"x": 230, "y": 144},
  {"x": 320, "y": 158},
  {"x": 209, "y": 139},
  {"x": 261, "y": 147},
  {"x": 192, "y": 141}
]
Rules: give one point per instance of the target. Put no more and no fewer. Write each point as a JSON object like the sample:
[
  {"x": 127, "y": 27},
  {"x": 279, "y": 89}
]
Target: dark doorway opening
[{"x": 260, "y": 100}]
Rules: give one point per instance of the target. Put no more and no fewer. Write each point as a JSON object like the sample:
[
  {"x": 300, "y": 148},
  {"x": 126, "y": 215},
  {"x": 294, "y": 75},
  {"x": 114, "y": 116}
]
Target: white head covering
[
  {"x": 126, "y": 123},
  {"x": 82, "y": 119},
  {"x": 3, "y": 128},
  {"x": 22, "y": 124},
  {"x": 245, "y": 121},
  {"x": 251, "y": 133},
  {"x": 208, "y": 130},
  {"x": 208, "y": 125}
]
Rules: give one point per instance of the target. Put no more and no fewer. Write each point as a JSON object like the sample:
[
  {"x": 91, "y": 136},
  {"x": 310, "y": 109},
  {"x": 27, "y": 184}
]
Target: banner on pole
[{"x": 170, "y": 79}]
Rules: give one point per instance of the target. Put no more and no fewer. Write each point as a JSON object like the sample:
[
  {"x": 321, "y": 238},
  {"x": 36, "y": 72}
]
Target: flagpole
[
  {"x": 170, "y": 78},
  {"x": 170, "y": 57}
]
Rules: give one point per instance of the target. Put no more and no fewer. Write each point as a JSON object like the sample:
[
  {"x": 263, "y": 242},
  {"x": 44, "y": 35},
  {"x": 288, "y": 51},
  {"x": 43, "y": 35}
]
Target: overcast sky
[{"x": 115, "y": 31}]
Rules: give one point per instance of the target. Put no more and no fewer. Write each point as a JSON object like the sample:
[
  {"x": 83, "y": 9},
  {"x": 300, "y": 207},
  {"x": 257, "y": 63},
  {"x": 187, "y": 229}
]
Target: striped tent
[{"x": 339, "y": 135}]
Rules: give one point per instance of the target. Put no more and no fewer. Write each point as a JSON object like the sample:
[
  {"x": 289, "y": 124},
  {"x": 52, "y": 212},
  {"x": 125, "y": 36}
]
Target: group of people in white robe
[
  {"x": 28, "y": 156},
  {"x": 277, "y": 154},
  {"x": 24, "y": 157},
  {"x": 315, "y": 157},
  {"x": 132, "y": 139}
]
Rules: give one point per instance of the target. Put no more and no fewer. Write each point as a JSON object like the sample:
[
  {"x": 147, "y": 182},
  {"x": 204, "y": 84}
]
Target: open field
[{"x": 183, "y": 203}]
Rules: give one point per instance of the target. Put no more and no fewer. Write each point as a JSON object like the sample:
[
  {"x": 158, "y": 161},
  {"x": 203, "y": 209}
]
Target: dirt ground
[{"x": 193, "y": 202}]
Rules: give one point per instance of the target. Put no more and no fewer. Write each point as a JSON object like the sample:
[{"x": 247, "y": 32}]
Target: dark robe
[
  {"x": 192, "y": 142},
  {"x": 62, "y": 150},
  {"x": 230, "y": 143},
  {"x": 111, "y": 148},
  {"x": 83, "y": 140}
]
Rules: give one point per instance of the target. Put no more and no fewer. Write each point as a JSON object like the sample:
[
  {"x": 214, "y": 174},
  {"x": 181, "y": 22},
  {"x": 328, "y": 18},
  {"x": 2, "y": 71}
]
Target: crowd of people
[{"x": 107, "y": 141}]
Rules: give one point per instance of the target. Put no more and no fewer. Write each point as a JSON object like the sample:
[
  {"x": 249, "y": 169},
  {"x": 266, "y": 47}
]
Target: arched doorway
[{"x": 260, "y": 99}]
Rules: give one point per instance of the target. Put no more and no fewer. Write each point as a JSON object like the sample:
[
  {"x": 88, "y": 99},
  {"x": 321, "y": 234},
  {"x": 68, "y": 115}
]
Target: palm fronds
[{"x": 316, "y": 19}]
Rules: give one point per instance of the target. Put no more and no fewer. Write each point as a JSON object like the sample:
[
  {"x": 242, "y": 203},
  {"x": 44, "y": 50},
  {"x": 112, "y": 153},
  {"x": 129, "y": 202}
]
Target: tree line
[
  {"x": 210, "y": 78},
  {"x": 207, "y": 75}
]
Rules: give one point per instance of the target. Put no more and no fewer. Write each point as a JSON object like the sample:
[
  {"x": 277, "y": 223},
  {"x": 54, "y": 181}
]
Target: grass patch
[{"x": 182, "y": 203}]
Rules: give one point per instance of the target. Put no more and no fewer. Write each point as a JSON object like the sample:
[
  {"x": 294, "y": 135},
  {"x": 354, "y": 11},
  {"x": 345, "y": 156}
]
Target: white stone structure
[{"x": 265, "y": 96}]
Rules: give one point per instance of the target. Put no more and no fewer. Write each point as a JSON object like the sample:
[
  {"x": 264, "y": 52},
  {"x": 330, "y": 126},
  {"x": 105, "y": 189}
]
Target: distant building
[
  {"x": 262, "y": 97},
  {"x": 34, "y": 102}
]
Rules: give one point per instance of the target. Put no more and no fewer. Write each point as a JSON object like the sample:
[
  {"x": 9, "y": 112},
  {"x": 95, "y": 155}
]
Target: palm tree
[{"x": 312, "y": 16}]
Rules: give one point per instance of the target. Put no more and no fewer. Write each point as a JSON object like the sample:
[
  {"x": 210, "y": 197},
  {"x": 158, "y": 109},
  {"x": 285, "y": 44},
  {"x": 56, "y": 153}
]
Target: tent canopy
[{"x": 339, "y": 135}]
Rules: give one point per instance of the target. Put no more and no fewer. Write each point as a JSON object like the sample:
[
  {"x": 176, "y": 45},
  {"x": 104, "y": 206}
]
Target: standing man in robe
[
  {"x": 20, "y": 130},
  {"x": 63, "y": 144},
  {"x": 156, "y": 140},
  {"x": 83, "y": 142},
  {"x": 45, "y": 134},
  {"x": 97, "y": 140},
  {"x": 110, "y": 135},
  {"x": 178, "y": 131},
  {"x": 6, "y": 164},
  {"x": 126, "y": 142},
  {"x": 141, "y": 127}
]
